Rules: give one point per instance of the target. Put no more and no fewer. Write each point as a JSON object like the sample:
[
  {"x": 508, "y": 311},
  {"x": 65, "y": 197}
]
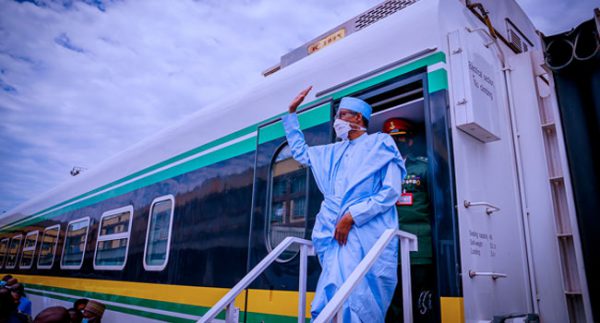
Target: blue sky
[{"x": 82, "y": 80}]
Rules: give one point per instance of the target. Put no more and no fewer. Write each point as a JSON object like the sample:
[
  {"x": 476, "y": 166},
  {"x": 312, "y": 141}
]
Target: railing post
[
  {"x": 339, "y": 317},
  {"x": 302, "y": 283},
  {"x": 406, "y": 287},
  {"x": 408, "y": 242},
  {"x": 232, "y": 314},
  {"x": 227, "y": 301}
]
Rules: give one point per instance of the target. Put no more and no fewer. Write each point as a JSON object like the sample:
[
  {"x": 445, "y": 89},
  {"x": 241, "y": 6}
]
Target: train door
[
  {"x": 493, "y": 249},
  {"x": 285, "y": 202}
]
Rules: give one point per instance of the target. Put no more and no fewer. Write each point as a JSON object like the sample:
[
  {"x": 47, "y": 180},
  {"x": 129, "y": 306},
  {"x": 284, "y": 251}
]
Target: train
[{"x": 163, "y": 230}]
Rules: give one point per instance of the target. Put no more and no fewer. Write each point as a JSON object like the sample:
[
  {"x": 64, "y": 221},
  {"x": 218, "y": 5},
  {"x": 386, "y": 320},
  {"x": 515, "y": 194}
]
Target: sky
[{"x": 82, "y": 80}]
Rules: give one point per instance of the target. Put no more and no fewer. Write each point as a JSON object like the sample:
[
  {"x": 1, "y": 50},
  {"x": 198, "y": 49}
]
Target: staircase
[{"x": 408, "y": 243}]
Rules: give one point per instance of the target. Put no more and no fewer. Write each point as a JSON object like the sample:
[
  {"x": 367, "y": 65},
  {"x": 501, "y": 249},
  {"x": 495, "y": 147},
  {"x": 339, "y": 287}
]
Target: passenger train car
[{"x": 163, "y": 230}]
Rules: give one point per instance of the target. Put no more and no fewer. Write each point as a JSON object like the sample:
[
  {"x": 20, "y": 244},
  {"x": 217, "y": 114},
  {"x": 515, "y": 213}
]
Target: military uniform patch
[{"x": 405, "y": 199}]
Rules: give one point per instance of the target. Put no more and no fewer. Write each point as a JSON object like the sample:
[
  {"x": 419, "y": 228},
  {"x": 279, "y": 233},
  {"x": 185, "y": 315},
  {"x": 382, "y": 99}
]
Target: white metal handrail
[
  {"x": 408, "y": 243},
  {"x": 227, "y": 301}
]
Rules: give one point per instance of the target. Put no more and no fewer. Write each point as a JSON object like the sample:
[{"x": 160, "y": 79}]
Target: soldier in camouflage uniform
[{"x": 414, "y": 216}]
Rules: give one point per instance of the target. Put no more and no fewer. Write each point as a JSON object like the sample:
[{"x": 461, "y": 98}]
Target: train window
[
  {"x": 3, "y": 250},
  {"x": 113, "y": 239},
  {"x": 29, "y": 249},
  {"x": 288, "y": 202},
  {"x": 13, "y": 251},
  {"x": 158, "y": 235},
  {"x": 48, "y": 247},
  {"x": 75, "y": 243}
]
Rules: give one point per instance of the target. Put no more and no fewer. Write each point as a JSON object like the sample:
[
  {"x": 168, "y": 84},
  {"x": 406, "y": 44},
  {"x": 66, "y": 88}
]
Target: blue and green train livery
[{"x": 163, "y": 230}]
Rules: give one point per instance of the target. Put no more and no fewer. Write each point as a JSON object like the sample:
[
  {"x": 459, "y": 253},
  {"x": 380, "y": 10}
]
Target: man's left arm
[
  {"x": 360, "y": 213},
  {"x": 384, "y": 199}
]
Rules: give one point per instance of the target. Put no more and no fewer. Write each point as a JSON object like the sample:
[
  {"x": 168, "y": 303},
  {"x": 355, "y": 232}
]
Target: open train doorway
[{"x": 417, "y": 120}]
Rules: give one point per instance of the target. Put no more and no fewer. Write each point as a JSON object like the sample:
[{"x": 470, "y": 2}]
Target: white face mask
[{"x": 342, "y": 128}]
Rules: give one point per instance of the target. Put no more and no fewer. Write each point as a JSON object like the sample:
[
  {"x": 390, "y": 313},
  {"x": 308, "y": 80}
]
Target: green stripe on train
[
  {"x": 261, "y": 317},
  {"x": 171, "y": 160},
  {"x": 420, "y": 63},
  {"x": 437, "y": 80},
  {"x": 307, "y": 119},
  {"x": 228, "y": 152}
]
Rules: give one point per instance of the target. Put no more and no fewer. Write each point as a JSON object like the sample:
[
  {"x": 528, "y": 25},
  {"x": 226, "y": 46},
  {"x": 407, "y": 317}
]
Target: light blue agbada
[{"x": 363, "y": 177}]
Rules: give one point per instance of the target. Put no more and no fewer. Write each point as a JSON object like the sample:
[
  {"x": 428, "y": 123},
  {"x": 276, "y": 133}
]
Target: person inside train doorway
[
  {"x": 360, "y": 178},
  {"x": 414, "y": 216}
]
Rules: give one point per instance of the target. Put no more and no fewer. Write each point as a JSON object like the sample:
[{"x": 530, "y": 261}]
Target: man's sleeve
[
  {"x": 385, "y": 198},
  {"x": 295, "y": 138}
]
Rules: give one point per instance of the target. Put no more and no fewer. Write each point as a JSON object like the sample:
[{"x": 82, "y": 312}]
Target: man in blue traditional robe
[{"x": 360, "y": 178}]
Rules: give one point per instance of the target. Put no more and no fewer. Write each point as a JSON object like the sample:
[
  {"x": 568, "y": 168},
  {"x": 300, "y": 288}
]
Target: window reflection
[
  {"x": 13, "y": 251},
  {"x": 287, "y": 212},
  {"x": 29, "y": 250},
  {"x": 113, "y": 237},
  {"x": 75, "y": 240},
  {"x": 48, "y": 247},
  {"x": 3, "y": 250},
  {"x": 117, "y": 223},
  {"x": 158, "y": 233},
  {"x": 111, "y": 252}
]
